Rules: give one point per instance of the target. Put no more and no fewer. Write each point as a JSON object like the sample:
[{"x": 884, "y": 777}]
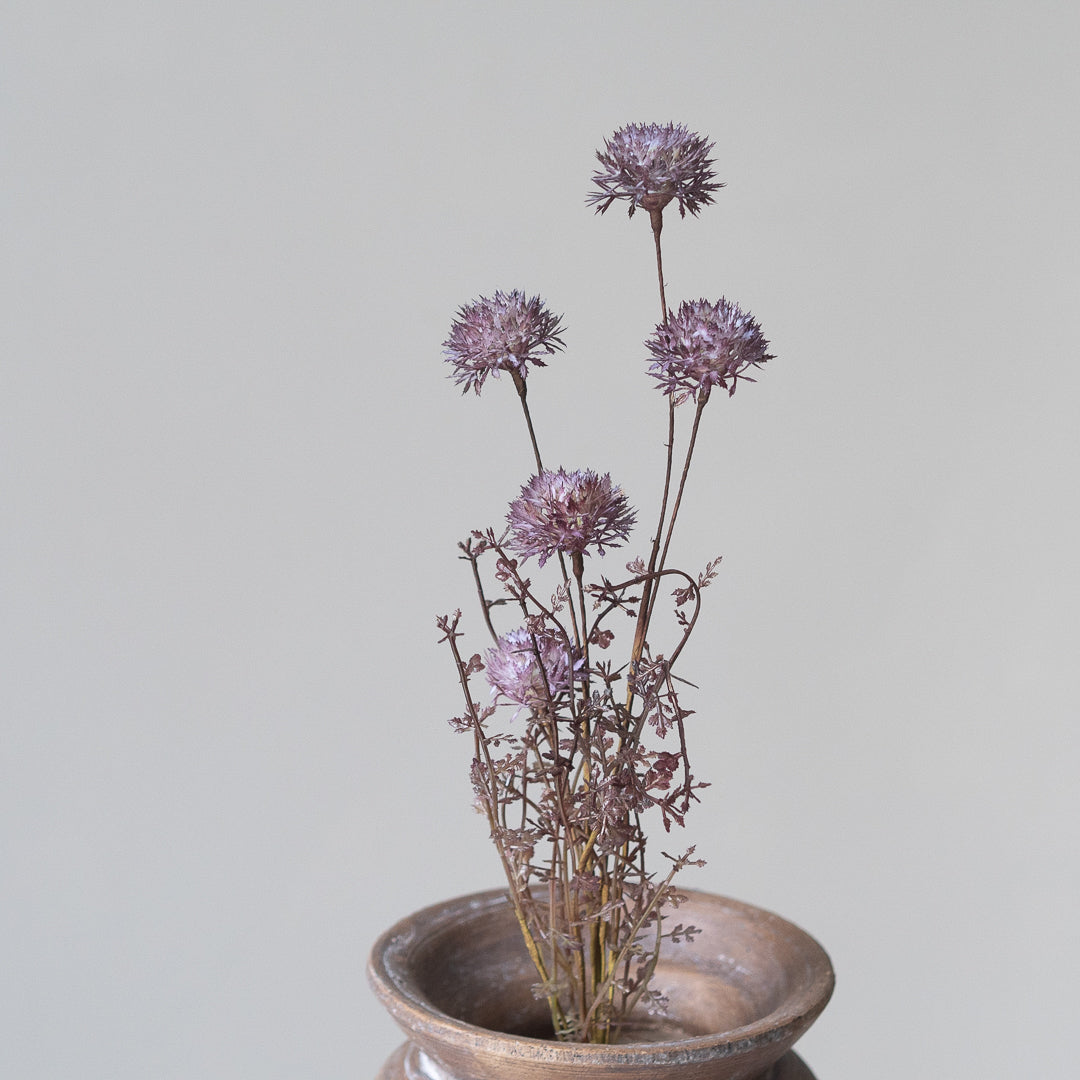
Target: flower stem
[
  {"x": 522, "y": 390},
  {"x": 490, "y": 801},
  {"x": 519, "y": 384},
  {"x": 485, "y": 605},
  {"x": 657, "y": 219},
  {"x": 702, "y": 400},
  {"x": 649, "y": 601},
  {"x": 645, "y": 607}
]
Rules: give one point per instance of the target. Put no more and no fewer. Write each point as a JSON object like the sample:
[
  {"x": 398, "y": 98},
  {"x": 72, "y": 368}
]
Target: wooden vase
[{"x": 457, "y": 979}]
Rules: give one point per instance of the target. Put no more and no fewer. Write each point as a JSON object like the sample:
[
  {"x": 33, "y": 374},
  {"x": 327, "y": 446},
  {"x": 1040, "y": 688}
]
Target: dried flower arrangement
[{"x": 572, "y": 749}]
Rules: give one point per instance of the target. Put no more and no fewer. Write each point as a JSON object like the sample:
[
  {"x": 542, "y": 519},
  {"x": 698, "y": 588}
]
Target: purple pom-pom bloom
[
  {"x": 506, "y": 333},
  {"x": 705, "y": 345},
  {"x": 512, "y": 670},
  {"x": 651, "y": 164},
  {"x": 568, "y": 512}
]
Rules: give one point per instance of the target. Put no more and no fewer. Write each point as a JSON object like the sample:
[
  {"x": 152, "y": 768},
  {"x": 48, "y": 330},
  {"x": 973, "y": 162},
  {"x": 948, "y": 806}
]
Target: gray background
[{"x": 232, "y": 475}]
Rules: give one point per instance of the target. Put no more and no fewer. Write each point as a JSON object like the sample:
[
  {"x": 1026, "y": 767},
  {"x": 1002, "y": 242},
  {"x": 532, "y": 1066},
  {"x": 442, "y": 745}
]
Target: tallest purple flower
[{"x": 651, "y": 164}]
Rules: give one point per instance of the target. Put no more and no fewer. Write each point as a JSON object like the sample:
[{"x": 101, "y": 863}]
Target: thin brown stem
[
  {"x": 485, "y": 605},
  {"x": 635, "y": 929},
  {"x": 659, "y": 568},
  {"x": 522, "y": 391},
  {"x": 645, "y": 607},
  {"x": 657, "y": 219},
  {"x": 557, "y": 1015},
  {"x": 682, "y": 480},
  {"x": 519, "y": 384},
  {"x": 578, "y": 563}
]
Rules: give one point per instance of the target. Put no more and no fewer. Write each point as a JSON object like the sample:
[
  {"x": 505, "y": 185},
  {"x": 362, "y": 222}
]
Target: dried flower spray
[{"x": 594, "y": 746}]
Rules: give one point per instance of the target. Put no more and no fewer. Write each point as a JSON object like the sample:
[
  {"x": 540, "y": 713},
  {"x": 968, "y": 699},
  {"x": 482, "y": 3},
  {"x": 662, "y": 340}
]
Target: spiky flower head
[
  {"x": 529, "y": 669},
  {"x": 651, "y": 164},
  {"x": 704, "y": 345},
  {"x": 568, "y": 512},
  {"x": 506, "y": 333}
]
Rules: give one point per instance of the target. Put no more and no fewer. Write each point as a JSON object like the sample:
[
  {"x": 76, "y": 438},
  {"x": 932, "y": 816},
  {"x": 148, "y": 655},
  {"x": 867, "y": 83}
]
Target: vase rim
[{"x": 413, "y": 1011}]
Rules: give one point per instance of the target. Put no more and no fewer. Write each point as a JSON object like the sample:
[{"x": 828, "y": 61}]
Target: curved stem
[
  {"x": 678, "y": 499},
  {"x": 682, "y": 480}
]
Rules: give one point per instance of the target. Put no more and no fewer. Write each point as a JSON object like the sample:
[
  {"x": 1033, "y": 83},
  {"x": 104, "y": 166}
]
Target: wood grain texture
[{"x": 458, "y": 981}]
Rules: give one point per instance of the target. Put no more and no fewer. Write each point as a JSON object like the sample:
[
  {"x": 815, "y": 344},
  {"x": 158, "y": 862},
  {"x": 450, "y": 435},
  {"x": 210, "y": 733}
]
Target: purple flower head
[
  {"x": 568, "y": 512},
  {"x": 506, "y": 333},
  {"x": 514, "y": 673},
  {"x": 651, "y": 164},
  {"x": 705, "y": 345}
]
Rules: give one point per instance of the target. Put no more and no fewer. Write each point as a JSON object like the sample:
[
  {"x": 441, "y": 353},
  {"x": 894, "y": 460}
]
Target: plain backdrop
[{"x": 233, "y": 475}]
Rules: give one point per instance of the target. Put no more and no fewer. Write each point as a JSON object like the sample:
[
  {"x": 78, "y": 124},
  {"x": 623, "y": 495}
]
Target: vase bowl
[{"x": 457, "y": 979}]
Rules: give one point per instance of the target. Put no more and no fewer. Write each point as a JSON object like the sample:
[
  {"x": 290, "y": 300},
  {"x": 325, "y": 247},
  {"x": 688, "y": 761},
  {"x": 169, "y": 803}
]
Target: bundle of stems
[{"x": 591, "y": 747}]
